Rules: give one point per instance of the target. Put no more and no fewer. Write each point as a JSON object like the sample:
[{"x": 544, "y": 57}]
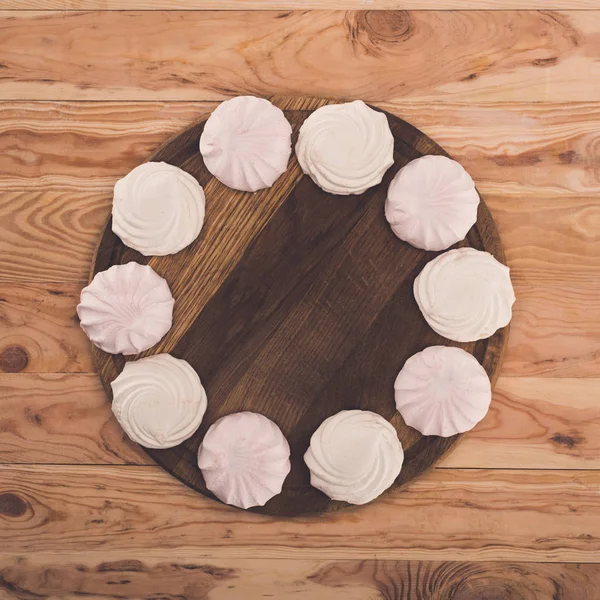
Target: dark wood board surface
[{"x": 297, "y": 304}]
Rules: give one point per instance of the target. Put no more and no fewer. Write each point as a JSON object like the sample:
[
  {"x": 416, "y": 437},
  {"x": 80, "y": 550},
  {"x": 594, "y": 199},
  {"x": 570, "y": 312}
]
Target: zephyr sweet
[
  {"x": 246, "y": 143},
  {"x": 354, "y": 456},
  {"x": 465, "y": 294},
  {"x": 345, "y": 148},
  {"x": 126, "y": 309},
  {"x": 159, "y": 401},
  {"x": 442, "y": 391},
  {"x": 432, "y": 203},
  {"x": 158, "y": 209},
  {"x": 244, "y": 459}
]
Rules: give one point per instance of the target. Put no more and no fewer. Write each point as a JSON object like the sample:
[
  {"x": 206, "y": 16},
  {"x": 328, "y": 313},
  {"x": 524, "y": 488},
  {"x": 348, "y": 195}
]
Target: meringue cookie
[
  {"x": 432, "y": 203},
  {"x": 158, "y": 209},
  {"x": 244, "y": 459},
  {"x": 345, "y": 148},
  {"x": 126, "y": 309},
  {"x": 246, "y": 143},
  {"x": 354, "y": 456},
  {"x": 159, "y": 401},
  {"x": 442, "y": 391},
  {"x": 465, "y": 294}
]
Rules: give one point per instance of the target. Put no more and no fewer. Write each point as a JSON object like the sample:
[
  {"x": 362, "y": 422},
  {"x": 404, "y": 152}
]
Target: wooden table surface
[{"x": 88, "y": 88}]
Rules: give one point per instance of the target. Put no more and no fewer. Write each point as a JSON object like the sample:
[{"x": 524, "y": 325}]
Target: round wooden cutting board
[{"x": 297, "y": 304}]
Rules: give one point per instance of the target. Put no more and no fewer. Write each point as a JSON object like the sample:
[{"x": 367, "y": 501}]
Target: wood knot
[
  {"x": 545, "y": 62},
  {"x": 121, "y": 566},
  {"x": 13, "y": 359},
  {"x": 12, "y": 505},
  {"x": 376, "y": 30},
  {"x": 568, "y": 440},
  {"x": 569, "y": 157},
  {"x": 391, "y": 26}
]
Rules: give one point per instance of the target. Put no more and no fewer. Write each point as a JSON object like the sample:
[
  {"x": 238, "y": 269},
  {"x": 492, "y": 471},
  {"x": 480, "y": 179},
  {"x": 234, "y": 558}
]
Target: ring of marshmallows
[{"x": 464, "y": 295}]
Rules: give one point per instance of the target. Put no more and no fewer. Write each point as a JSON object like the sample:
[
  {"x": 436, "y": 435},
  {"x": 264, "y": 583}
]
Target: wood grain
[
  {"x": 161, "y": 575},
  {"x": 298, "y": 4},
  {"x": 314, "y": 264},
  {"x": 58, "y": 418},
  {"x": 50, "y": 234},
  {"x": 474, "y": 56},
  {"x": 570, "y": 242},
  {"x": 85, "y": 140},
  {"x": 535, "y": 423},
  {"x": 551, "y": 332},
  {"x": 515, "y": 148},
  {"x": 47, "y": 235},
  {"x": 532, "y": 424},
  {"x": 448, "y": 515},
  {"x": 57, "y": 181},
  {"x": 479, "y": 84},
  {"x": 38, "y": 325},
  {"x": 54, "y": 217},
  {"x": 512, "y": 149}
]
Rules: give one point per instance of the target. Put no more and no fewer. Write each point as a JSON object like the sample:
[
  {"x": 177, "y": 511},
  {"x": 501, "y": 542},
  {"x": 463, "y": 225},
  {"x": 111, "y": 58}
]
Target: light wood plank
[
  {"x": 552, "y": 334},
  {"x": 47, "y": 149},
  {"x": 378, "y": 55},
  {"x": 297, "y": 4},
  {"x": 39, "y": 330},
  {"x": 181, "y": 574},
  {"x": 58, "y": 418},
  {"x": 550, "y": 240},
  {"x": 448, "y": 514},
  {"x": 97, "y": 140},
  {"x": 54, "y": 171},
  {"x": 533, "y": 423},
  {"x": 50, "y": 234},
  {"x": 514, "y": 148},
  {"x": 38, "y": 322},
  {"x": 510, "y": 149},
  {"x": 554, "y": 331}
]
